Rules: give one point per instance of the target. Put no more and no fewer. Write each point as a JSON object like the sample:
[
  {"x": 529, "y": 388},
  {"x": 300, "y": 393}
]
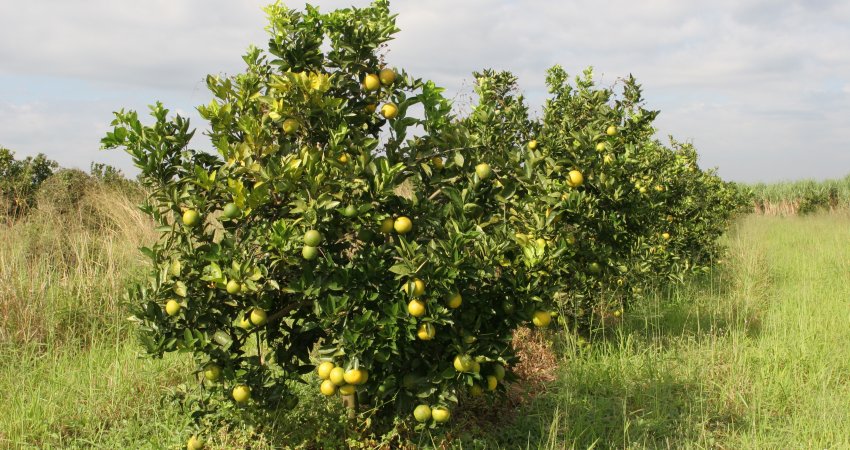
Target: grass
[
  {"x": 68, "y": 368},
  {"x": 749, "y": 356}
]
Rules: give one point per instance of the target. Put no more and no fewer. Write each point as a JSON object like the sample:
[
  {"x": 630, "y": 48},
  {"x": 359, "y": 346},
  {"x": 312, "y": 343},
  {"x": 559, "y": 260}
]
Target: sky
[{"x": 760, "y": 87}]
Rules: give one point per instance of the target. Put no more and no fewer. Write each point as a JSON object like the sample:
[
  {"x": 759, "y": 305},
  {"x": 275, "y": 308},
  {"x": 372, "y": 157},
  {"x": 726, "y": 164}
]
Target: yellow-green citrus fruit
[
  {"x": 541, "y": 319},
  {"x": 312, "y": 238},
  {"x": 600, "y": 147},
  {"x": 258, "y": 316},
  {"x": 195, "y": 443},
  {"x": 571, "y": 240},
  {"x": 611, "y": 131},
  {"x": 175, "y": 268},
  {"x": 231, "y": 211},
  {"x": 347, "y": 389},
  {"x": 337, "y": 376},
  {"x": 387, "y": 76},
  {"x": 532, "y": 144},
  {"x": 328, "y": 388},
  {"x": 191, "y": 217},
  {"x": 389, "y": 110},
  {"x": 454, "y": 301},
  {"x": 241, "y": 393},
  {"x": 371, "y": 107},
  {"x": 575, "y": 178},
  {"x": 172, "y": 308},
  {"x": 418, "y": 287},
  {"x": 437, "y": 162},
  {"x": 666, "y": 236},
  {"x": 233, "y": 287},
  {"x": 475, "y": 390},
  {"x": 426, "y": 332},
  {"x": 463, "y": 363},
  {"x": 355, "y": 376},
  {"x": 309, "y": 253},
  {"x": 371, "y": 82},
  {"x": 324, "y": 370},
  {"x": 440, "y": 414},
  {"x": 476, "y": 367},
  {"x": 290, "y": 126},
  {"x": 244, "y": 323},
  {"x": 483, "y": 171},
  {"x": 669, "y": 218},
  {"x": 416, "y": 308},
  {"x": 343, "y": 158},
  {"x": 499, "y": 372},
  {"x": 387, "y": 225},
  {"x": 607, "y": 159},
  {"x": 595, "y": 268},
  {"x": 402, "y": 225},
  {"x": 422, "y": 413},
  {"x": 212, "y": 372},
  {"x": 349, "y": 211},
  {"x": 492, "y": 382}
]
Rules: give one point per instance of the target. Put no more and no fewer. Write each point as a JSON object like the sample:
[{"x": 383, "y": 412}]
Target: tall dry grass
[
  {"x": 70, "y": 372},
  {"x": 64, "y": 272}
]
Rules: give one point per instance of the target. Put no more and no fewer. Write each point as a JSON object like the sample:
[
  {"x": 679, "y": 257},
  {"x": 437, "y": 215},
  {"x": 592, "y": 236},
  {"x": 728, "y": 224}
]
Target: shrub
[
  {"x": 61, "y": 193},
  {"x": 20, "y": 179},
  {"x": 323, "y": 224},
  {"x": 396, "y": 254}
]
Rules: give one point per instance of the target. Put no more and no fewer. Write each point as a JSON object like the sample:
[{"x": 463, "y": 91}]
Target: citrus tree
[
  {"x": 350, "y": 232},
  {"x": 20, "y": 180},
  {"x": 607, "y": 210},
  {"x": 333, "y": 231}
]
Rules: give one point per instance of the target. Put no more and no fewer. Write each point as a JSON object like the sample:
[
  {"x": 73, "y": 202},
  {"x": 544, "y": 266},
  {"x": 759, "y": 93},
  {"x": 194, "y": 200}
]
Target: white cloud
[
  {"x": 151, "y": 43},
  {"x": 68, "y": 133},
  {"x": 760, "y": 86}
]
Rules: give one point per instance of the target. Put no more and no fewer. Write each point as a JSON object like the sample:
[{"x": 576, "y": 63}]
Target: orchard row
[{"x": 393, "y": 251}]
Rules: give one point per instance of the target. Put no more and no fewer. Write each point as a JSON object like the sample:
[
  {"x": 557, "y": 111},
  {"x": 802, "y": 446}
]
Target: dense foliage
[
  {"x": 20, "y": 179},
  {"x": 350, "y": 223},
  {"x": 609, "y": 210}
]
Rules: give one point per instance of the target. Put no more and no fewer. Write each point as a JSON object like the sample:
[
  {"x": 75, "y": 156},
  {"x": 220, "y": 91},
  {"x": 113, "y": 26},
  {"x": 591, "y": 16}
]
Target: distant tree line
[{"x": 21, "y": 180}]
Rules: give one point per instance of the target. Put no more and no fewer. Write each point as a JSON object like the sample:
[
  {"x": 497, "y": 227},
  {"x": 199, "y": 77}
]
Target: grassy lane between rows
[{"x": 751, "y": 356}]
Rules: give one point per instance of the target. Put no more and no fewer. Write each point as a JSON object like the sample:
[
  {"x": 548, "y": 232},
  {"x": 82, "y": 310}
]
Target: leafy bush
[
  {"x": 323, "y": 224},
  {"x": 20, "y": 179},
  {"x": 114, "y": 178},
  {"x": 396, "y": 253},
  {"x": 62, "y": 192},
  {"x": 606, "y": 210}
]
